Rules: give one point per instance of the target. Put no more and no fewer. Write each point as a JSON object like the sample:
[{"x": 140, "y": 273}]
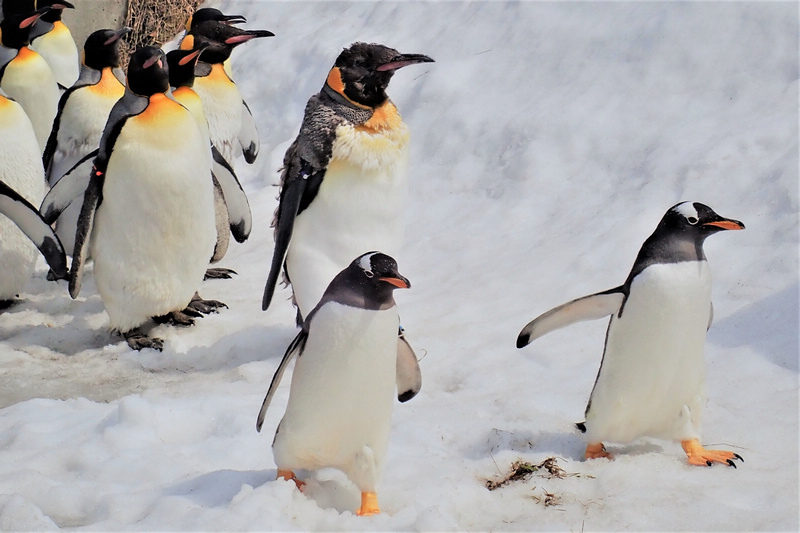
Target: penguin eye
[
  {"x": 368, "y": 273},
  {"x": 691, "y": 220}
]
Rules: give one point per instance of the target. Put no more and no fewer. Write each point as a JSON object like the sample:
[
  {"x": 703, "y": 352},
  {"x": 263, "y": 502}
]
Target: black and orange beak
[
  {"x": 403, "y": 60},
  {"x": 249, "y": 34},
  {"x": 398, "y": 281},
  {"x": 29, "y": 21},
  {"x": 725, "y": 223},
  {"x": 119, "y": 34}
]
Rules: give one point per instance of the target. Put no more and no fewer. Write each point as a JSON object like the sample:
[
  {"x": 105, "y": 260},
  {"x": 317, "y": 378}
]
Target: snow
[{"x": 548, "y": 139}]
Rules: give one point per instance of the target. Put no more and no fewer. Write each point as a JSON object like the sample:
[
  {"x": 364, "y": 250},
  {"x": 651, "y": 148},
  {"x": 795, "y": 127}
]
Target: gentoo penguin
[
  {"x": 341, "y": 396},
  {"x": 82, "y": 113},
  {"x": 20, "y": 171},
  {"x": 51, "y": 38},
  {"x": 25, "y": 76},
  {"x": 652, "y": 378},
  {"x": 26, "y": 217},
  {"x": 343, "y": 185},
  {"x": 232, "y": 209},
  {"x": 230, "y": 122},
  {"x": 147, "y": 215}
]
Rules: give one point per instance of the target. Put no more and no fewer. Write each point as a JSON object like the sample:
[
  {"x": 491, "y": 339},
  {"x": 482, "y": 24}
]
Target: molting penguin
[
  {"x": 51, "y": 38},
  {"x": 652, "y": 377},
  {"x": 25, "y": 216},
  {"x": 232, "y": 209},
  {"x": 230, "y": 122},
  {"x": 341, "y": 396},
  {"x": 20, "y": 171},
  {"x": 25, "y": 76},
  {"x": 82, "y": 114},
  {"x": 147, "y": 215}
]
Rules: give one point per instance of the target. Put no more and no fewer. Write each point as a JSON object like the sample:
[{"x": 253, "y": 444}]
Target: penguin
[
  {"x": 209, "y": 13},
  {"x": 82, "y": 113},
  {"x": 230, "y": 121},
  {"x": 27, "y": 218},
  {"x": 51, "y": 38},
  {"x": 147, "y": 215},
  {"x": 23, "y": 183},
  {"x": 232, "y": 209},
  {"x": 651, "y": 380},
  {"x": 343, "y": 184},
  {"x": 340, "y": 401},
  {"x": 25, "y": 76}
]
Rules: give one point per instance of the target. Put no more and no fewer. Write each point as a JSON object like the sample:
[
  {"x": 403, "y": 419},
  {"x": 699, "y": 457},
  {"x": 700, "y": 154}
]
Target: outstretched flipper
[
  {"x": 69, "y": 187},
  {"x": 239, "y": 215},
  {"x": 586, "y": 308},
  {"x": 409, "y": 376},
  {"x": 27, "y": 217},
  {"x": 295, "y": 348},
  {"x": 248, "y": 135}
]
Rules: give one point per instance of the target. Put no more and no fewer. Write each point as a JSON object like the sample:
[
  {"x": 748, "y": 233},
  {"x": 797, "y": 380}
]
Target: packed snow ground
[{"x": 548, "y": 139}]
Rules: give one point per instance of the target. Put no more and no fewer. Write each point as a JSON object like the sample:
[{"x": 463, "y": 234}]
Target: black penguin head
[
  {"x": 696, "y": 220},
  {"x": 220, "y": 39},
  {"x": 362, "y": 72},
  {"x": 15, "y": 29},
  {"x": 181, "y": 66},
  {"x": 367, "y": 283},
  {"x": 58, "y": 7},
  {"x": 101, "y": 49},
  {"x": 210, "y": 13},
  {"x": 148, "y": 73}
]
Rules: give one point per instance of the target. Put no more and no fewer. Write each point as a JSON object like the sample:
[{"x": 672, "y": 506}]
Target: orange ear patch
[
  {"x": 336, "y": 83},
  {"x": 188, "y": 42}
]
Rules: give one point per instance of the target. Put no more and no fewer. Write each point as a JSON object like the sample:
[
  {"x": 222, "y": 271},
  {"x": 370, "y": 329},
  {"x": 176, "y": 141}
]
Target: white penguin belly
[
  {"x": 222, "y": 106},
  {"x": 57, "y": 47},
  {"x": 359, "y": 208},
  {"x": 20, "y": 169},
  {"x": 30, "y": 81},
  {"x": 341, "y": 396},
  {"x": 652, "y": 378},
  {"x": 154, "y": 230}
]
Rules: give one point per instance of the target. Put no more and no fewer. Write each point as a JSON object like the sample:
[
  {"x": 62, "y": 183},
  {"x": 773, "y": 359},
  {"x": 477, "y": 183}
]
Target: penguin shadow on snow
[
  {"x": 218, "y": 489},
  {"x": 768, "y": 326}
]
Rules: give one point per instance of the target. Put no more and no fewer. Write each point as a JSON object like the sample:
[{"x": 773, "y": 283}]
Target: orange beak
[
  {"x": 726, "y": 224},
  {"x": 401, "y": 283}
]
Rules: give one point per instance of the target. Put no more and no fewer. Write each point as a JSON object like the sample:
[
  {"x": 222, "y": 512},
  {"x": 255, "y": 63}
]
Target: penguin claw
[
  {"x": 138, "y": 341},
  {"x": 178, "y": 318},
  {"x": 219, "y": 273},
  {"x": 699, "y": 456},
  {"x": 205, "y": 307}
]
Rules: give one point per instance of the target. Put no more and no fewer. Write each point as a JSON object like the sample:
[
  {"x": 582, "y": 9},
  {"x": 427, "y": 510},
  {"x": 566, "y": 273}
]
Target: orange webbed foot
[
  {"x": 288, "y": 475},
  {"x": 597, "y": 451},
  {"x": 369, "y": 504},
  {"x": 699, "y": 456}
]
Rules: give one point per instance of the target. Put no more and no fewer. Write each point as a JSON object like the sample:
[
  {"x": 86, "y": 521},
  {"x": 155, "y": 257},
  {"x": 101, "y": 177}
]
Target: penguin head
[
  {"x": 362, "y": 72},
  {"x": 367, "y": 283},
  {"x": 181, "y": 66},
  {"x": 148, "y": 73},
  {"x": 696, "y": 220},
  {"x": 101, "y": 49},
  {"x": 58, "y": 7},
  {"x": 210, "y": 13},
  {"x": 221, "y": 39},
  {"x": 16, "y": 27}
]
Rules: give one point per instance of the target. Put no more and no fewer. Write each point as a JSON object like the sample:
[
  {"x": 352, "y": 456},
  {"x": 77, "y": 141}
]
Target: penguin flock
[{"x": 135, "y": 172}]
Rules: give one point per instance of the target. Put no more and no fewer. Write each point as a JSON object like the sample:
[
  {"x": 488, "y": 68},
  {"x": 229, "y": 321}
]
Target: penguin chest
[
  {"x": 222, "y": 107},
  {"x": 154, "y": 230},
  {"x": 57, "y": 47},
  {"x": 342, "y": 389},
  {"x": 651, "y": 381},
  {"x": 359, "y": 207}
]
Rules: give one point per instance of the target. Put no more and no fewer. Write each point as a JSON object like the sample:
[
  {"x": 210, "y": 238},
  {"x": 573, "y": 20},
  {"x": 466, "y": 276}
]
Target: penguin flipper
[
  {"x": 295, "y": 348},
  {"x": 586, "y": 308},
  {"x": 67, "y": 188},
  {"x": 27, "y": 217},
  {"x": 239, "y": 214},
  {"x": 409, "y": 376},
  {"x": 91, "y": 201},
  {"x": 52, "y": 140},
  {"x": 248, "y": 135},
  {"x": 710, "y": 316}
]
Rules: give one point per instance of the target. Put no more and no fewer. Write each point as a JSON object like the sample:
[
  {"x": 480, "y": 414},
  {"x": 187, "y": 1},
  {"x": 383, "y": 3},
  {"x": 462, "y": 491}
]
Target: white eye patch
[
  {"x": 688, "y": 211},
  {"x": 366, "y": 262}
]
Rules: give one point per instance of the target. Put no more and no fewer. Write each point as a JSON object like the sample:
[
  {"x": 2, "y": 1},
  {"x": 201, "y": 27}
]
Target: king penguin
[
  {"x": 147, "y": 216},
  {"x": 27, "y": 218},
  {"x": 51, "y": 38},
  {"x": 209, "y": 13},
  {"x": 82, "y": 114},
  {"x": 651, "y": 380},
  {"x": 25, "y": 76},
  {"x": 20, "y": 171},
  {"x": 230, "y": 123},
  {"x": 340, "y": 401}
]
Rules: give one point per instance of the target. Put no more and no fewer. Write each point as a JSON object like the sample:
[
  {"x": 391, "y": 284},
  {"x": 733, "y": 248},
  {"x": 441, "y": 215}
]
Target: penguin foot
[
  {"x": 219, "y": 273},
  {"x": 369, "y": 504},
  {"x": 205, "y": 307},
  {"x": 52, "y": 276},
  {"x": 178, "y": 318},
  {"x": 138, "y": 340},
  {"x": 288, "y": 475},
  {"x": 597, "y": 451},
  {"x": 699, "y": 456}
]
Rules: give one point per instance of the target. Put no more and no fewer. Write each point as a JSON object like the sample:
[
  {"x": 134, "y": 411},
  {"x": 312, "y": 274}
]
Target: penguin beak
[
  {"x": 725, "y": 223},
  {"x": 33, "y": 18},
  {"x": 403, "y": 60},
  {"x": 117, "y": 35},
  {"x": 234, "y": 19},
  {"x": 194, "y": 55},
  {"x": 63, "y": 5},
  {"x": 400, "y": 282},
  {"x": 251, "y": 34},
  {"x": 153, "y": 60}
]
